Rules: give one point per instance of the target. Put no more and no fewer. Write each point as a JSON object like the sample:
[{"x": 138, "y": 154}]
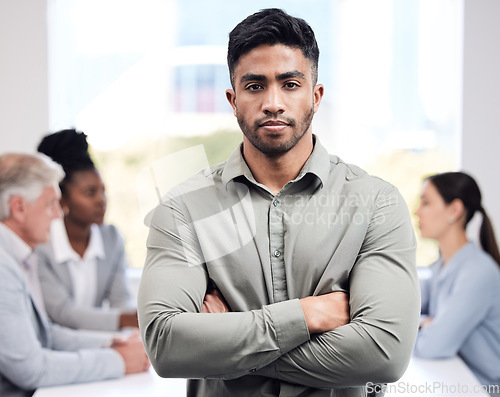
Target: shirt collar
[
  {"x": 17, "y": 247},
  {"x": 236, "y": 166},
  {"x": 63, "y": 251},
  {"x": 96, "y": 245},
  {"x": 318, "y": 164}
]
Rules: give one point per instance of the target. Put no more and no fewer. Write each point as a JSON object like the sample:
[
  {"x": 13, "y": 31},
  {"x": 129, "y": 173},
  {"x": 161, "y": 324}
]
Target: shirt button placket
[{"x": 276, "y": 246}]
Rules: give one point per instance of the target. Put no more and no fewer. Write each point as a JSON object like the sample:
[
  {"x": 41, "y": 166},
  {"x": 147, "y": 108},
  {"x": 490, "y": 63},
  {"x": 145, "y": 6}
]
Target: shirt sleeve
[
  {"x": 458, "y": 314},
  {"x": 29, "y": 365},
  {"x": 67, "y": 339},
  {"x": 181, "y": 341},
  {"x": 376, "y": 345}
]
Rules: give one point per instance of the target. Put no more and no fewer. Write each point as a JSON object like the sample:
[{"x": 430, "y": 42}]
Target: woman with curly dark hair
[{"x": 83, "y": 268}]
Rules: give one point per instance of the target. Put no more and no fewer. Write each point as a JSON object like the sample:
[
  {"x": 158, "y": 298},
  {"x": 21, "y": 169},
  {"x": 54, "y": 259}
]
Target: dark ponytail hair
[
  {"x": 70, "y": 149},
  {"x": 459, "y": 185}
]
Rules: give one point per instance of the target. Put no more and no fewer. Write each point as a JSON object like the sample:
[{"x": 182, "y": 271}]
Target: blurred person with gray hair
[{"x": 33, "y": 351}]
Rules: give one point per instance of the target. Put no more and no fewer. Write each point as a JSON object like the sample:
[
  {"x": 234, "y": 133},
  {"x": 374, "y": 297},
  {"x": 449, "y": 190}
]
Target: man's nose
[{"x": 273, "y": 100}]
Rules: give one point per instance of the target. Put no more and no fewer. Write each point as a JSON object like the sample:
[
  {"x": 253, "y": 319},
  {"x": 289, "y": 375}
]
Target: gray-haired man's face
[{"x": 37, "y": 216}]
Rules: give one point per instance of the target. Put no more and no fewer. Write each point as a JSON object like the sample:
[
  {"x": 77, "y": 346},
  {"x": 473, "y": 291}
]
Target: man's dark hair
[{"x": 272, "y": 26}]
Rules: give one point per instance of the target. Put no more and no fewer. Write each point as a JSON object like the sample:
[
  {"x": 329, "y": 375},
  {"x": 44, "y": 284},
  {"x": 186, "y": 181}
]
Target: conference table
[
  {"x": 147, "y": 384},
  {"x": 447, "y": 377},
  {"x": 450, "y": 377}
]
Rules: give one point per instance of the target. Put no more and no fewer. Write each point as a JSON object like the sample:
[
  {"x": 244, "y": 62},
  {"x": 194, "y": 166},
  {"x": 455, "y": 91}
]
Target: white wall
[
  {"x": 23, "y": 74},
  {"x": 481, "y": 101}
]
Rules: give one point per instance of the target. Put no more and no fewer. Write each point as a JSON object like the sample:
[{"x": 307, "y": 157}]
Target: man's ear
[
  {"x": 319, "y": 90},
  {"x": 17, "y": 208},
  {"x": 231, "y": 98}
]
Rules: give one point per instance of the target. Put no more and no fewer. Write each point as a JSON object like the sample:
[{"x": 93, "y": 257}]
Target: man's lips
[{"x": 274, "y": 126}]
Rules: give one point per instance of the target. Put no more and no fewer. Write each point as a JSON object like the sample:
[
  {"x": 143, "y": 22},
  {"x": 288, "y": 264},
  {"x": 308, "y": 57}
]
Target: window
[{"x": 145, "y": 79}]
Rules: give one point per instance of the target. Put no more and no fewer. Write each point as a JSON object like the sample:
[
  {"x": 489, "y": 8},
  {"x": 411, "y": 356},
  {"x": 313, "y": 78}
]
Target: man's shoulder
[
  {"x": 356, "y": 177},
  {"x": 8, "y": 264},
  {"x": 205, "y": 178},
  {"x": 5, "y": 256},
  {"x": 213, "y": 171}
]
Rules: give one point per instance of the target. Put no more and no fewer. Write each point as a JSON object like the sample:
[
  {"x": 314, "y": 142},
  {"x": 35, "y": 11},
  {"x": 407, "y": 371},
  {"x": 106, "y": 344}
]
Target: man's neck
[{"x": 276, "y": 172}]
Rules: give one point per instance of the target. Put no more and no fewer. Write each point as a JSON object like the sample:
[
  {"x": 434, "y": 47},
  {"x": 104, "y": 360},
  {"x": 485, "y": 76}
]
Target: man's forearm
[
  {"x": 182, "y": 342},
  {"x": 374, "y": 347},
  {"x": 326, "y": 312},
  {"x": 322, "y": 313}
]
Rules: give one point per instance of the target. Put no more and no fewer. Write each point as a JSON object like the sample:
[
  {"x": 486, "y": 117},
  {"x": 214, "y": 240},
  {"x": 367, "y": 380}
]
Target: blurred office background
[{"x": 412, "y": 88}]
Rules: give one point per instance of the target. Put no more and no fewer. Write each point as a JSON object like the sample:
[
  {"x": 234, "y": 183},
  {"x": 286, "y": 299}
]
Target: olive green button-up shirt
[{"x": 333, "y": 228}]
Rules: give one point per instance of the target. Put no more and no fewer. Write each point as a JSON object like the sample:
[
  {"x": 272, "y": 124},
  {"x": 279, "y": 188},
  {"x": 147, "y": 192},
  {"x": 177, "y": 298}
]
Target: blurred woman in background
[
  {"x": 83, "y": 268},
  {"x": 461, "y": 300}
]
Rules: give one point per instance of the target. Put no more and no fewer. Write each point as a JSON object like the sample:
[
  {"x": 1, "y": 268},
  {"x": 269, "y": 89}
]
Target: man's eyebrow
[
  {"x": 252, "y": 77},
  {"x": 290, "y": 75},
  {"x": 282, "y": 76}
]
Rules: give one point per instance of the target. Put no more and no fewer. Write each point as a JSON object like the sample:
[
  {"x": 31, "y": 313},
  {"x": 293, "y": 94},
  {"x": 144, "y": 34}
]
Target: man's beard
[{"x": 277, "y": 148}]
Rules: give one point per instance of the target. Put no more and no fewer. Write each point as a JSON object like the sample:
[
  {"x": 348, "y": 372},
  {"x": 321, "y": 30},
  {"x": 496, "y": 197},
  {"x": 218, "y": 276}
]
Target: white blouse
[{"x": 83, "y": 270}]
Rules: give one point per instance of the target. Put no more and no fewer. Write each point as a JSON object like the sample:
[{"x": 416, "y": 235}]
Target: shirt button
[
  {"x": 277, "y": 253},
  {"x": 275, "y": 203}
]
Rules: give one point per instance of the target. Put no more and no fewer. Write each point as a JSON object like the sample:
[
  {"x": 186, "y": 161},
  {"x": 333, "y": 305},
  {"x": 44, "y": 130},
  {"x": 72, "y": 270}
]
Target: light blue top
[{"x": 463, "y": 298}]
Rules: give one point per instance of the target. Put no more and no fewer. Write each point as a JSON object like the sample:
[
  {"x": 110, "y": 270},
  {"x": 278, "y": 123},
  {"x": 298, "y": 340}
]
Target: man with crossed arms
[{"x": 283, "y": 271}]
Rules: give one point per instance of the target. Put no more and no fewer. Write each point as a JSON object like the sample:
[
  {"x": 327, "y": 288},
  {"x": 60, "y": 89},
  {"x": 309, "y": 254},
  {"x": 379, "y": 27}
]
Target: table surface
[
  {"x": 145, "y": 384},
  {"x": 449, "y": 377},
  {"x": 423, "y": 377}
]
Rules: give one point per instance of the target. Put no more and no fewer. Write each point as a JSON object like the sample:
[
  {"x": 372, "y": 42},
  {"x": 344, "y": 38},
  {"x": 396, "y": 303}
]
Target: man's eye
[
  {"x": 254, "y": 87},
  {"x": 291, "y": 85}
]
